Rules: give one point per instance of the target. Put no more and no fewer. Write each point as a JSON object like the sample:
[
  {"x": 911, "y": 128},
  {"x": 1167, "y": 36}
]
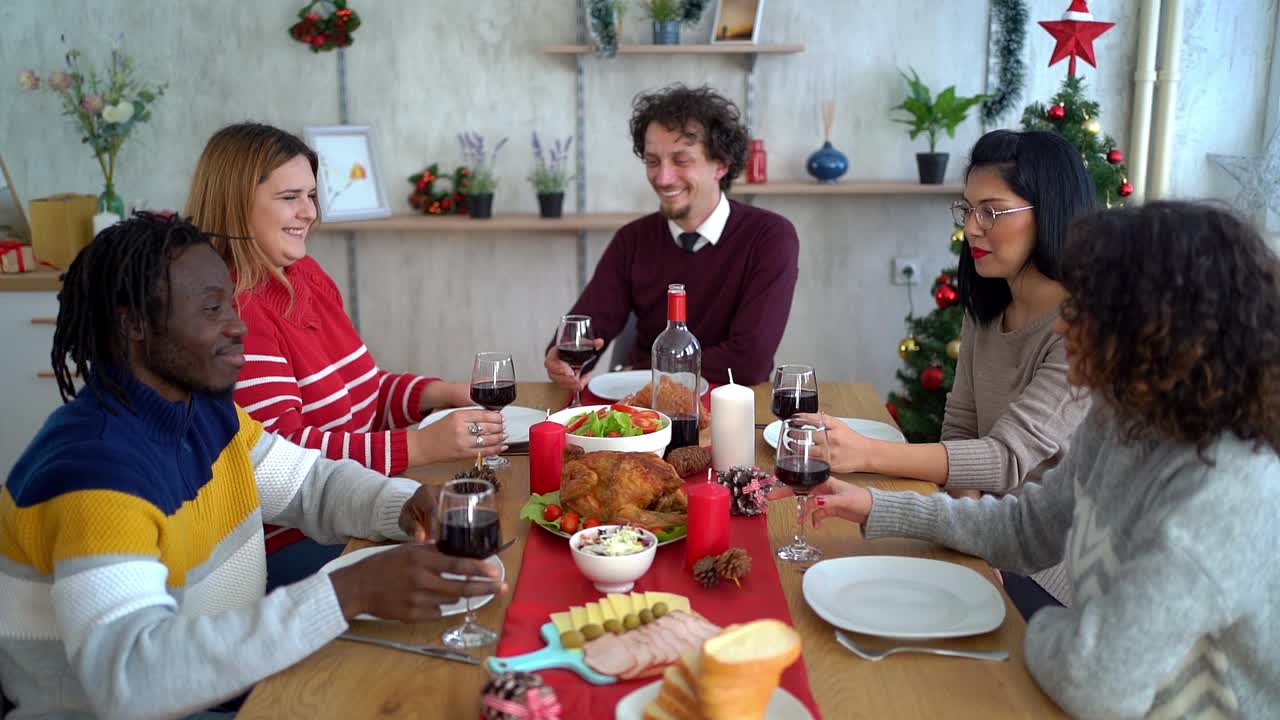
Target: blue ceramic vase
[{"x": 827, "y": 164}]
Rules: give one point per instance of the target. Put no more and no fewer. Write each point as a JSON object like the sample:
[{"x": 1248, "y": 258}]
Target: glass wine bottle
[{"x": 677, "y": 370}]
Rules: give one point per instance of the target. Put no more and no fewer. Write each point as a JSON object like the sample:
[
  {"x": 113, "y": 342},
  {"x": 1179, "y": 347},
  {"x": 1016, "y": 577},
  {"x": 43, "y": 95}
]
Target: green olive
[
  {"x": 660, "y": 609},
  {"x": 614, "y": 626},
  {"x": 631, "y": 622},
  {"x": 646, "y": 616},
  {"x": 592, "y": 631},
  {"x": 572, "y": 639}
]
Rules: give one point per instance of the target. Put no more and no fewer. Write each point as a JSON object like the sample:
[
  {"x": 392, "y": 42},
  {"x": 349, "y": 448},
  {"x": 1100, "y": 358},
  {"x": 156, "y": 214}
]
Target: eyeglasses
[{"x": 985, "y": 214}]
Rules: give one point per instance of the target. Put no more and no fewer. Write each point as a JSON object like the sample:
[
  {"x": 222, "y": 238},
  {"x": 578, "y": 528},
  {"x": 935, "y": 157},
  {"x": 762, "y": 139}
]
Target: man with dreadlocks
[{"x": 132, "y": 564}]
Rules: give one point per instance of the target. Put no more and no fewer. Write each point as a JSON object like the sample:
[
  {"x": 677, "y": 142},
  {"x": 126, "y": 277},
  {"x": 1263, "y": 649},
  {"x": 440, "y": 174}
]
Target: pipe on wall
[
  {"x": 1144, "y": 86},
  {"x": 1166, "y": 102}
]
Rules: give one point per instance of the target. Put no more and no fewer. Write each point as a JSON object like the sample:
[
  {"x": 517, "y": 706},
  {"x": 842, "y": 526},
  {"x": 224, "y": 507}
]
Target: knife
[{"x": 435, "y": 652}]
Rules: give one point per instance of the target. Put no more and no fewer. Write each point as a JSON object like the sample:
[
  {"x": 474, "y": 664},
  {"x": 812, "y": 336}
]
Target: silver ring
[
  {"x": 475, "y": 429},
  {"x": 479, "y": 441}
]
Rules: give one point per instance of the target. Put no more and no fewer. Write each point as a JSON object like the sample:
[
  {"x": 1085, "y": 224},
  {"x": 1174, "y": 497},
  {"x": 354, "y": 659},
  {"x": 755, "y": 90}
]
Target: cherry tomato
[
  {"x": 570, "y": 522},
  {"x": 579, "y": 422},
  {"x": 551, "y": 513},
  {"x": 592, "y": 522},
  {"x": 624, "y": 408},
  {"x": 613, "y": 433}
]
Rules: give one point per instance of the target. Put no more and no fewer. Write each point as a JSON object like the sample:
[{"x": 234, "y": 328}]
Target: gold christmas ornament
[
  {"x": 953, "y": 349},
  {"x": 957, "y": 237},
  {"x": 1092, "y": 126},
  {"x": 907, "y": 346}
]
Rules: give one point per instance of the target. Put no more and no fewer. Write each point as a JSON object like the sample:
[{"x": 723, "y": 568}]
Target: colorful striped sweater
[
  {"x": 309, "y": 377},
  {"x": 132, "y": 563}
]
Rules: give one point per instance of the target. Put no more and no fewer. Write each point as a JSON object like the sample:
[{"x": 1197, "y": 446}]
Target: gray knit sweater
[{"x": 1172, "y": 561}]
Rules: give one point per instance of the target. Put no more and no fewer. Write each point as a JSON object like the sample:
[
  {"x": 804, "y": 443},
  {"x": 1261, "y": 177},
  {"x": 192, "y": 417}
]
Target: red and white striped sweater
[{"x": 309, "y": 378}]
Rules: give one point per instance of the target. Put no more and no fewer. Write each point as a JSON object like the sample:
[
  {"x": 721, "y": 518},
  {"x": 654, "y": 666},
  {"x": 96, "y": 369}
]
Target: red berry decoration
[
  {"x": 893, "y": 411},
  {"x": 931, "y": 378},
  {"x": 944, "y": 279},
  {"x": 1116, "y": 156},
  {"x": 946, "y": 296},
  {"x": 1057, "y": 112},
  {"x": 1126, "y": 189}
]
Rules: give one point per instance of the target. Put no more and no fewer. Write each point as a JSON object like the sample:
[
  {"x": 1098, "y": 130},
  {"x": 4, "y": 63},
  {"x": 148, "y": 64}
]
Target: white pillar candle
[
  {"x": 733, "y": 416},
  {"x": 104, "y": 220}
]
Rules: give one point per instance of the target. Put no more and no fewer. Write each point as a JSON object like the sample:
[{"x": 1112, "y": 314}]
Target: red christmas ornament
[
  {"x": 931, "y": 378},
  {"x": 893, "y": 411},
  {"x": 946, "y": 296},
  {"x": 1075, "y": 34},
  {"x": 944, "y": 279},
  {"x": 1116, "y": 156},
  {"x": 1126, "y": 189},
  {"x": 1057, "y": 112}
]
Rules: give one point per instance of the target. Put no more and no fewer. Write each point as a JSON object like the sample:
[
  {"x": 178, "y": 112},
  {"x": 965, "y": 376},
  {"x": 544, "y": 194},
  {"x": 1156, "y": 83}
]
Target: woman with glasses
[{"x": 1010, "y": 414}]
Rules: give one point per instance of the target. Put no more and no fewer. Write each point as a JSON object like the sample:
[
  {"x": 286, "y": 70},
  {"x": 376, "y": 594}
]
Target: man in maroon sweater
[{"x": 738, "y": 263}]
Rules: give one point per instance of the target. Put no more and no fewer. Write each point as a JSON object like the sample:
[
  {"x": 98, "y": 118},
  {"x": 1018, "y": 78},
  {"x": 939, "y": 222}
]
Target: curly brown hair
[
  {"x": 702, "y": 116},
  {"x": 1172, "y": 320}
]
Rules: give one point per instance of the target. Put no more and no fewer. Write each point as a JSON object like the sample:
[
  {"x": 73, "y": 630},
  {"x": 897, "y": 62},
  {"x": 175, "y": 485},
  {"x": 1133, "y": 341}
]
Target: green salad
[{"x": 616, "y": 421}]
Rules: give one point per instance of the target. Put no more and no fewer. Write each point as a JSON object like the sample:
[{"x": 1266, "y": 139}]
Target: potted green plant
[
  {"x": 668, "y": 15},
  {"x": 483, "y": 179},
  {"x": 550, "y": 175},
  {"x": 930, "y": 116}
]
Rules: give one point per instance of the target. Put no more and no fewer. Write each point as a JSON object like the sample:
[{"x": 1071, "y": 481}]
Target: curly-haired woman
[
  {"x": 738, "y": 263},
  {"x": 1165, "y": 507}
]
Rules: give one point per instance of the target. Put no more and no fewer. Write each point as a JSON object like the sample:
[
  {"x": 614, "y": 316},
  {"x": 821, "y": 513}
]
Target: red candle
[
  {"x": 546, "y": 456},
  {"x": 708, "y": 521}
]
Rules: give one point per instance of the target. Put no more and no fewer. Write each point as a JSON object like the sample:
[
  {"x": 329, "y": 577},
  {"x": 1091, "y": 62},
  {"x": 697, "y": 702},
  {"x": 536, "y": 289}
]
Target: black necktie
[{"x": 688, "y": 240}]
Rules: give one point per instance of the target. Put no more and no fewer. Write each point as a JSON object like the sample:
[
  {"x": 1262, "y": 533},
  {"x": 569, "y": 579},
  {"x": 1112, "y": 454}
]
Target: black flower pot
[
  {"x": 932, "y": 166},
  {"x": 666, "y": 32},
  {"x": 480, "y": 206},
  {"x": 551, "y": 205}
]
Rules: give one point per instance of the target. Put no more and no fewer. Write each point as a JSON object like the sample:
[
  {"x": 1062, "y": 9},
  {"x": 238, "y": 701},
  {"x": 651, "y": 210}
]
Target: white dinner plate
[
  {"x": 618, "y": 385},
  {"x": 456, "y": 608},
  {"x": 871, "y": 428},
  {"x": 782, "y": 706},
  {"x": 903, "y": 597},
  {"x": 519, "y": 420}
]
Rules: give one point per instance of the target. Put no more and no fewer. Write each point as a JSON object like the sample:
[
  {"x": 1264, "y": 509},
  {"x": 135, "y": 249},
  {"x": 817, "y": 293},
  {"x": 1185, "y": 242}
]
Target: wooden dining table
[{"x": 352, "y": 680}]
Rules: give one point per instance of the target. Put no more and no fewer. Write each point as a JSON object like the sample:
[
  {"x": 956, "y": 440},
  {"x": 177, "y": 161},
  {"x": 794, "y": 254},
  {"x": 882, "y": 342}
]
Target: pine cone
[
  {"x": 512, "y": 686},
  {"x": 480, "y": 472},
  {"x": 733, "y": 564},
  {"x": 690, "y": 460},
  {"x": 705, "y": 572},
  {"x": 749, "y": 487}
]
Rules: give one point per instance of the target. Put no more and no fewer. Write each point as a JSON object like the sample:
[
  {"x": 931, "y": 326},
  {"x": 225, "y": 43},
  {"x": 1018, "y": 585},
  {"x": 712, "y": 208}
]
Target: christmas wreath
[
  {"x": 427, "y": 199},
  {"x": 325, "y": 32}
]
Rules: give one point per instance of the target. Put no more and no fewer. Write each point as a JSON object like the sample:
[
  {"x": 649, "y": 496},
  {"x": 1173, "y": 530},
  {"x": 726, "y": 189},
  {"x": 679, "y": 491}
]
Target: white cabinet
[{"x": 26, "y": 399}]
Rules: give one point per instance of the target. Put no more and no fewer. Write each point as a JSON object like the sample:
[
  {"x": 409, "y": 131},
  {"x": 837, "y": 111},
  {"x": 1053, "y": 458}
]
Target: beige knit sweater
[{"x": 1010, "y": 414}]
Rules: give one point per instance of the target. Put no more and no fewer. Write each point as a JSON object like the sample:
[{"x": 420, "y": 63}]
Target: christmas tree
[
  {"x": 1075, "y": 117},
  {"x": 930, "y": 350}
]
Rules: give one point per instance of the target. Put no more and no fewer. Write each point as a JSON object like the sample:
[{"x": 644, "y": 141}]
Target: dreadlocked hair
[{"x": 116, "y": 278}]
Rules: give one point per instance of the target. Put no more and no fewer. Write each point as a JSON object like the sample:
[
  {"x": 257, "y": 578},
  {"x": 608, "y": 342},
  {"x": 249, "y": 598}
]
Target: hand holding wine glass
[
  {"x": 801, "y": 464},
  {"x": 795, "y": 390},
  {"x": 576, "y": 345},
  {"x": 467, "y": 526},
  {"x": 493, "y": 387}
]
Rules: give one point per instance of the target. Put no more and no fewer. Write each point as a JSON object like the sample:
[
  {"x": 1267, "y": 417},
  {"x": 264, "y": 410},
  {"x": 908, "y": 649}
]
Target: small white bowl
[
  {"x": 655, "y": 442},
  {"x": 613, "y": 573}
]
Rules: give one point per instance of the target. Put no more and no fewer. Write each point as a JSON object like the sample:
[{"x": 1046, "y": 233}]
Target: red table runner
[{"x": 550, "y": 582}]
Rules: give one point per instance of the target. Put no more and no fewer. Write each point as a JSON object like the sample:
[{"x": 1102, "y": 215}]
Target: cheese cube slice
[
  {"x": 653, "y": 598},
  {"x": 593, "y": 614},
  {"x": 563, "y": 622},
  {"x": 607, "y": 611},
  {"x": 579, "y": 616},
  {"x": 621, "y": 604},
  {"x": 638, "y": 602},
  {"x": 676, "y": 602}
]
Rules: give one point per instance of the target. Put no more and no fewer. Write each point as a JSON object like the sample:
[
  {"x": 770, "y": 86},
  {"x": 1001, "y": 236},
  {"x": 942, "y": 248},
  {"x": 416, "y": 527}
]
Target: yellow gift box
[{"x": 61, "y": 226}]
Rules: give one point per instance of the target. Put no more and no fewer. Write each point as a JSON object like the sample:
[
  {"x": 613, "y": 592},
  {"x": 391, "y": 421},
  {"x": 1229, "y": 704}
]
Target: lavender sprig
[
  {"x": 483, "y": 177},
  {"x": 550, "y": 175}
]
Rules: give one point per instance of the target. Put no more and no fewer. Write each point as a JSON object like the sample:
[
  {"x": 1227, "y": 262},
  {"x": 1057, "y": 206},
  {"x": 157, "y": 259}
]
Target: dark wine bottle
[{"x": 677, "y": 370}]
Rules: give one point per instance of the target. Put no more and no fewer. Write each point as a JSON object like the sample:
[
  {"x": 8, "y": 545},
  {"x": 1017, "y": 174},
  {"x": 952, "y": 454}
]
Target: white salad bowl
[
  {"x": 613, "y": 573},
  {"x": 655, "y": 442}
]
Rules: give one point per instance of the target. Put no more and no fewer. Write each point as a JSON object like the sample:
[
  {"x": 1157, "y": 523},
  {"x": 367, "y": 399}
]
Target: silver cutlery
[
  {"x": 429, "y": 651},
  {"x": 867, "y": 654}
]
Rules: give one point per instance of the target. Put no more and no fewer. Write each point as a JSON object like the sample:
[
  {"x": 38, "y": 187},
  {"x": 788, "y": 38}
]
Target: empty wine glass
[
  {"x": 493, "y": 387},
  {"x": 468, "y": 526},
  {"x": 576, "y": 345},
  {"x": 795, "y": 390},
  {"x": 801, "y": 463}
]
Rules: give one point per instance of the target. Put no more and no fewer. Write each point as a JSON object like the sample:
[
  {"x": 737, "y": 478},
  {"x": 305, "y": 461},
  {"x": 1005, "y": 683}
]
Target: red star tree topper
[{"x": 1075, "y": 34}]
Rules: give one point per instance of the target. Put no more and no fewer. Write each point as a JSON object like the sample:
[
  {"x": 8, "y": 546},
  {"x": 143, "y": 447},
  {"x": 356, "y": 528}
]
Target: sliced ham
[
  {"x": 638, "y": 652},
  {"x": 609, "y": 655}
]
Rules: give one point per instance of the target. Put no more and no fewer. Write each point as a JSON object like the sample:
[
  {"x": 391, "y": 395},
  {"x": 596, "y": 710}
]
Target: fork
[{"x": 873, "y": 655}]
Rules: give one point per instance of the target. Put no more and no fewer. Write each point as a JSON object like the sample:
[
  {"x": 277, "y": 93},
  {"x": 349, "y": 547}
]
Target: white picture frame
[
  {"x": 348, "y": 184},
  {"x": 737, "y": 22},
  {"x": 13, "y": 216}
]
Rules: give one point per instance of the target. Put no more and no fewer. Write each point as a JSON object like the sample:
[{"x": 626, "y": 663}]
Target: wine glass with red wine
[
  {"x": 801, "y": 464},
  {"x": 795, "y": 390},
  {"x": 467, "y": 526},
  {"x": 493, "y": 387},
  {"x": 576, "y": 345}
]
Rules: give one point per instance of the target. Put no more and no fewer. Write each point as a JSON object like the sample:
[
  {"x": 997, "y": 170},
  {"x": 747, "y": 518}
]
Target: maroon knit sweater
[{"x": 739, "y": 290}]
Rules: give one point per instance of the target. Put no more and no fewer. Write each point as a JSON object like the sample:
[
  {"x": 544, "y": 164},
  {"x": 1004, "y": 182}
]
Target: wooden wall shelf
[
  {"x": 40, "y": 280},
  {"x": 644, "y": 49},
  {"x": 523, "y": 222},
  {"x": 847, "y": 187}
]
